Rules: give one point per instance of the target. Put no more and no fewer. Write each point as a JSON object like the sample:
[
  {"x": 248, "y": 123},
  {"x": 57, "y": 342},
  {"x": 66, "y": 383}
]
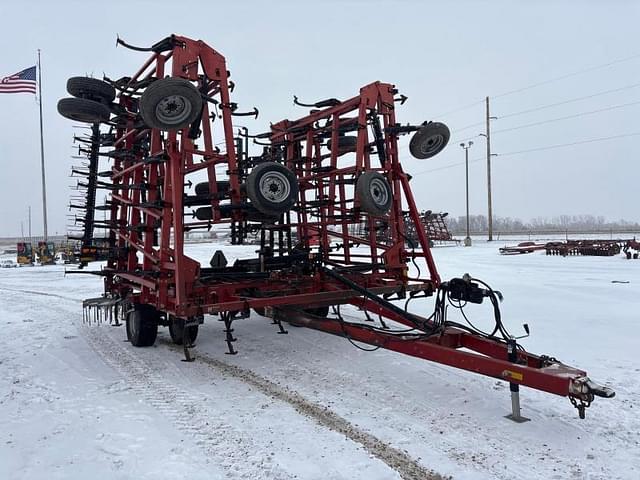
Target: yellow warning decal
[{"x": 511, "y": 374}]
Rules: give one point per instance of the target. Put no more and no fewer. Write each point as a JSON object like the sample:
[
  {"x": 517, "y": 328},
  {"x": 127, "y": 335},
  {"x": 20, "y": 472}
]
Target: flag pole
[{"x": 44, "y": 190}]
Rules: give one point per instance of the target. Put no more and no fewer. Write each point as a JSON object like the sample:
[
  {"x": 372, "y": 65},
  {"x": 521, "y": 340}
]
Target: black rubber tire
[
  {"x": 83, "y": 110},
  {"x": 91, "y": 88},
  {"x": 318, "y": 311},
  {"x": 275, "y": 178},
  {"x": 374, "y": 193},
  {"x": 142, "y": 326},
  {"x": 346, "y": 143},
  {"x": 202, "y": 188},
  {"x": 204, "y": 213},
  {"x": 429, "y": 140},
  {"x": 177, "y": 331},
  {"x": 254, "y": 215},
  {"x": 128, "y": 323},
  {"x": 170, "y": 104}
]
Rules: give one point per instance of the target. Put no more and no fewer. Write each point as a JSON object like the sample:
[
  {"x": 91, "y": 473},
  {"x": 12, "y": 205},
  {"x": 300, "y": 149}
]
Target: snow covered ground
[{"x": 77, "y": 401}]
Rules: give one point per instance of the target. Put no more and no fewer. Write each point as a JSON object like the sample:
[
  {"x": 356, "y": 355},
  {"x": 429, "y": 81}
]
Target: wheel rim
[
  {"x": 433, "y": 143},
  {"x": 173, "y": 109},
  {"x": 379, "y": 192},
  {"x": 274, "y": 186}
]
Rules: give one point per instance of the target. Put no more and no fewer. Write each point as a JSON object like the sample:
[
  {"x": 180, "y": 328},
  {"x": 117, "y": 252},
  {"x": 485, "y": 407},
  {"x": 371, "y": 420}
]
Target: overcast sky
[{"x": 441, "y": 54}]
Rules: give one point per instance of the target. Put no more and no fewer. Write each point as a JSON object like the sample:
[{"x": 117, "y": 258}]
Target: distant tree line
[{"x": 560, "y": 223}]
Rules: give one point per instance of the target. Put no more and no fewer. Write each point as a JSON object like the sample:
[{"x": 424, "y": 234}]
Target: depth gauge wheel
[
  {"x": 170, "y": 104},
  {"x": 142, "y": 326},
  {"x": 346, "y": 143},
  {"x": 272, "y": 188},
  {"x": 91, "y": 88},
  {"x": 429, "y": 140},
  {"x": 178, "y": 331},
  {"x": 374, "y": 193},
  {"x": 318, "y": 311},
  {"x": 83, "y": 110},
  {"x": 223, "y": 186}
]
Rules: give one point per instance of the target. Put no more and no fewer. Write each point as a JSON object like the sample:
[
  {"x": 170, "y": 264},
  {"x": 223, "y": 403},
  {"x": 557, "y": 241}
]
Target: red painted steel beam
[{"x": 557, "y": 378}]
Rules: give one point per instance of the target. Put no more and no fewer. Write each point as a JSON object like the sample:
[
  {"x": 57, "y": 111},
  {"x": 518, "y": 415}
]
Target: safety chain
[{"x": 581, "y": 405}]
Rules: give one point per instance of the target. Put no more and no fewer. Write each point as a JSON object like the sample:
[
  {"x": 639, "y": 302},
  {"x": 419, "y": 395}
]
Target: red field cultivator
[
  {"x": 435, "y": 226},
  {"x": 176, "y": 166},
  {"x": 631, "y": 249},
  {"x": 588, "y": 248}
]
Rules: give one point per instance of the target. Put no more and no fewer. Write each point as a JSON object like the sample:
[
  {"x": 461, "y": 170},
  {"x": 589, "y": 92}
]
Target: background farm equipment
[
  {"x": 434, "y": 225},
  {"x": 631, "y": 249},
  {"x": 323, "y": 187},
  {"x": 25, "y": 253},
  {"x": 591, "y": 248},
  {"x": 46, "y": 253},
  {"x": 522, "y": 247}
]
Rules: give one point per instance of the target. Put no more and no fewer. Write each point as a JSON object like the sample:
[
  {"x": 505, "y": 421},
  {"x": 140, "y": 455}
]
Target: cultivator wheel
[
  {"x": 181, "y": 334},
  {"x": 321, "y": 312},
  {"x": 91, "y": 89},
  {"x": 142, "y": 326},
  {"x": 84, "y": 110},
  {"x": 429, "y": 140},
  {"x": 374, "y": 193},
  {"x": 222, "y": 187},
  {"x": 170, "y": 103},
  {"x": 346, "y": 144},
  {"x": 272, "y": 188}
]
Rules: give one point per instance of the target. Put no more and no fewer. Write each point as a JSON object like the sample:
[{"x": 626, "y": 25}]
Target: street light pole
[{"x": 467, "y": 146}]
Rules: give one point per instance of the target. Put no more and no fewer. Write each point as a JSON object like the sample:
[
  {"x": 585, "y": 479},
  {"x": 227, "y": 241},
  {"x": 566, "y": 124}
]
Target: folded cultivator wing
[{"x": 175, "y": 166}]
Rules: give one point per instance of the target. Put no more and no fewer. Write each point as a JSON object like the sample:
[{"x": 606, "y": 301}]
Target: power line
[
  {"x": 542, "y": 122},
  {"x": 557, "y": 119},
  {"x": 537, "y": 149},
  {"x": 521, "y": 112},
  {"x": 464, "y": 139},
  {"x": 550, "y": 105},
  {"x": 561, "y": 145},
  {"x": 459, "y": 109},
  {"x": 468, "y": 127},
  {"x": 446, "y": 167},
  {"x": 544, "y": 82},
  {"x": 568, "y": 75}
]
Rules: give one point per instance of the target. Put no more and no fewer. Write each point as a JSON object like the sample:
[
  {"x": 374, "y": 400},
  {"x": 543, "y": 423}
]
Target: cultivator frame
[{"x": 344, "y": 157}]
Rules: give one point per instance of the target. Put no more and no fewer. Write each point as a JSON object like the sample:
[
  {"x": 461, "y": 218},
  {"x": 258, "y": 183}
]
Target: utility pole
[
  {"x": 487, "y": 136},
  {"x": 29, "y": 223},
  {"x": 490, "y": 211},
  {"x": 44, "y": 189},
  {"x": 467, "y": 146}
]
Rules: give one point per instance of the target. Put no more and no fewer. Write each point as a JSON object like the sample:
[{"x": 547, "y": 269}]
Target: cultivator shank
[{"x": 175, "y": 166}]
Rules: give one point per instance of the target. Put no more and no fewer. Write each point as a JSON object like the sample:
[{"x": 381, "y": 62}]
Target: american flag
[{"x": 21, "y": 82}]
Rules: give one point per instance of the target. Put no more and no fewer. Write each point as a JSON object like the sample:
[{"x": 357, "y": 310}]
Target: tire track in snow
[
  {"x": 234, "y": 453},
  {"x": 44, "y": 294},
  {"x": 396, "y": 459},
  {"x": 151, "y": 386}
]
